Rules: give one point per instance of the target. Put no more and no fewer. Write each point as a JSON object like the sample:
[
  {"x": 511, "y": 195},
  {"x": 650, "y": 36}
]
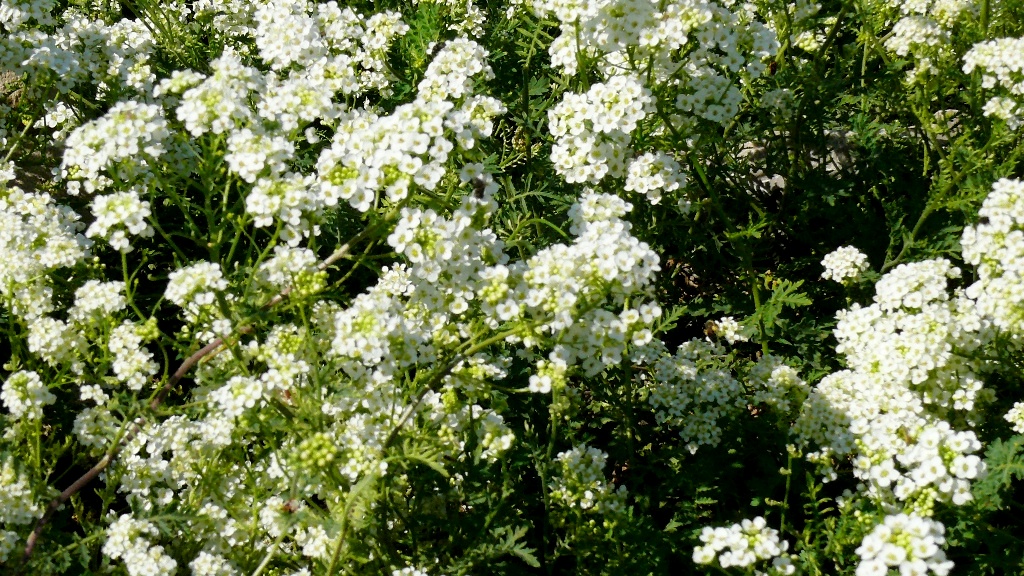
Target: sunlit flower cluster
[
  {"x": 123, "y": 143},
  {"x": 703, "y": 51},
  {"x": 133, "y": 364},
  {"x": 371, "y": 154},
  {"x": 744, "y": 544},
  {"x": 593, "y": 129},
  {"x": 127, "y": 541},
  {"x": 909, "y": 373},
  {"x": 996, "y": 248},
  {"x": 924, "y": 30},
  {"x": 844, "y": 265},
  {"x": 1000, "y": 64},
  {"x": 908, "y": 543},
  {"x": 37, "y": 237},
  {"x": 96, "y": 301},
  {"x": 654, "y": 174},
  {"x": 119, "y": 215},
  {"x": 1016, "y": 417},
  {"x": 24, "y": 396}
]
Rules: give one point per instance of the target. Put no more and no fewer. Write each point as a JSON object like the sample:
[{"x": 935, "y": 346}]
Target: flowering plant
[{"x": 430, "y": 287}]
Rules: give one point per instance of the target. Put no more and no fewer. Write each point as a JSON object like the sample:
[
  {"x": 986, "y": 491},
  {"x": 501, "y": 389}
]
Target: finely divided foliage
[{"x": 527, "y": 287}]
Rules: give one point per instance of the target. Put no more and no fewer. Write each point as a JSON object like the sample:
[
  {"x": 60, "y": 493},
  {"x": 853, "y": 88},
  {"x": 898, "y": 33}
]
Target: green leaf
[{"x": 1005, "y": 463}]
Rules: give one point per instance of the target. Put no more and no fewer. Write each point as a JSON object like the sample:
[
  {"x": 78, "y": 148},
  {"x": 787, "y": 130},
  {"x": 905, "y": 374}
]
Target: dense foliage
[{"x": 529, "y": 287}]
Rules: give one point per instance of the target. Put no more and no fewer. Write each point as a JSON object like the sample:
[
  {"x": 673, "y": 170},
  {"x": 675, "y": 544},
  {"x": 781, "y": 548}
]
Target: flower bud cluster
[
  {"x": 580, "y": 483},
  {"x": 742, "y": 545},
  {"x": 908, "y": 543}
]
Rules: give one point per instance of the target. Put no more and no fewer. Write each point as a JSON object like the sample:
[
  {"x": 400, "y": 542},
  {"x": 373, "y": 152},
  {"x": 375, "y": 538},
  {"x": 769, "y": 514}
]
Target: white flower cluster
[
  {"x": 371, "y": 154},
  {"x": 80, "y": 50},
  {"x": 17, "y": 506},
  {"x": 295, "y": 268},
  {"x": 250, "y": 152},
  {"x": 844, "y": 265},
  {"x": 315, "y": 52},
  {"x": 219, "y": 103},
  {"x": 17, "y": 13},
  {"x": 121, "y": 144},
  {"x": 654, "y": 174},
  {"x": 195, "y": 290},
  {"x": 126, "y": 540},
  {"x": 925, "y": 28},
  {"x": 909, "y": 543},
  {"x": 410, "y": 571},
  {"x": 58, "y": 343},
  {"x": 910, "y": 371},
  {"x": 742, "y": 545},
  {"x": 284, "y": 199},
  {"x": 776, "y": 384},
  {"x": 730, "y": 330},
  {"x": 1016, "y": 417},
  {"x": 1001, "y": 64},
  {"x": 694, "y": 391},
  {"x": 207, "y": 564},
  {"x": 24, "y": 395},
  {"x": 37, "y": 237},
  {"x": 118, "y": 215},
  {"x": 133, "y": 364},
  {"x": 450, "y": 75},
  {"x": 195, "y": 287},
  {"x": 996, "y": 248},
  {"x": 592, "y": 130},
  {"x": 579, "y": 482},
  {"x": 96, "y": 301},
  {"x": 699, "y": 51}
]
